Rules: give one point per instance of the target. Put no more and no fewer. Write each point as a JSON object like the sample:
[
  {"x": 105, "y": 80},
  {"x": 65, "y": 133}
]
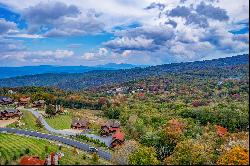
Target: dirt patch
[
  {"x": 72, "y": 130},
  {"x": 4, "y": 123},
  {"x": 94, "y": 116}
]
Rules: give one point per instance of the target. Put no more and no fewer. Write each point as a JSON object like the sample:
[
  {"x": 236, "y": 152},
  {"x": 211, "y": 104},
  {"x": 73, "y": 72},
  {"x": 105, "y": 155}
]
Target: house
[
  {"x": 39, "y": 104},
  {"x": 117, "y": 138},
  {"x": 23, "y": 101},
  {"x": 80, "y": 124},
  {"x": 10, "y": 113},
  {"x": 31, "y": 160},
  {"x": 4, "y": 100},
  {"x": 109, "y": 127}
]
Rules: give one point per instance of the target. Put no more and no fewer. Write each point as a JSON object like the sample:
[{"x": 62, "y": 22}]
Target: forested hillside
[{"x": 98, "y": 78}]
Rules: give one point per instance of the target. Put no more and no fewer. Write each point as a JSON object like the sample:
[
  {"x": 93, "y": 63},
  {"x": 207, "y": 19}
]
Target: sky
[{"x": 148, "y": 32}]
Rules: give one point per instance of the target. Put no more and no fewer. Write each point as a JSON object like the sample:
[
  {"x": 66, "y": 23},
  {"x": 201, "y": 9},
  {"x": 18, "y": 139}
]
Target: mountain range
[
  {"x": 235, "y": 66},
  {"x": 7, "y": 72}
]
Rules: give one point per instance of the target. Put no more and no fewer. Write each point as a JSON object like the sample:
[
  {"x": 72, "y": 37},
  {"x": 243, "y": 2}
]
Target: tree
[
  {"x": 143, "y": 156},
  {"x": 121, "y": 155},
  {"x": 27, "y": 151},
  {"x": 38, "y": 123},
  {"x": 190, "y": 152},
  {"x": 50, "y": 110},
  {"x": 235, "y": 156}
]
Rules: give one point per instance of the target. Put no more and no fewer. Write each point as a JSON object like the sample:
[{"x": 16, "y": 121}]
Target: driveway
[{"x": 106, "y": 140}]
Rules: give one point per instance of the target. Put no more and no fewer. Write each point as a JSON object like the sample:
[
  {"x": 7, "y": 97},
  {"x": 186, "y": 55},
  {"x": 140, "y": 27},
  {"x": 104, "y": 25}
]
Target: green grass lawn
[
  {"x": 12, "y": 146},
  {"x": 30, "y": 122},
  {"x": 60, "y": 121}
]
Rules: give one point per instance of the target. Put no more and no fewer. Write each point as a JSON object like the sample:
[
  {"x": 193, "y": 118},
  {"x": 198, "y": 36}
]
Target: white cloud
[{"x": 102, "y": 53}]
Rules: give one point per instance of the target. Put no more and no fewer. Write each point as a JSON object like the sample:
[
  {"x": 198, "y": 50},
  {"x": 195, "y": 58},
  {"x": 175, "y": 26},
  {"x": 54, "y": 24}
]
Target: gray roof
[
  {"x": 83, "y": 122},
  {"x": 10, "y": 110},
  {"x": 112, "y": 123}
]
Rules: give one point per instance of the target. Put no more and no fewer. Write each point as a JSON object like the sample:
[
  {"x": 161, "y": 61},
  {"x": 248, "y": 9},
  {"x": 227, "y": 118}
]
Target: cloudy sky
[{"x": 91, "y": 32}]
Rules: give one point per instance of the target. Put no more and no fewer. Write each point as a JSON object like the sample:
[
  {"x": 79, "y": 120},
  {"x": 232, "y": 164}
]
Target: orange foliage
[
  {"x": 235, "y": 156},
  {"x": 175, "y": 126},
  {"x": 221, "y": 131}
]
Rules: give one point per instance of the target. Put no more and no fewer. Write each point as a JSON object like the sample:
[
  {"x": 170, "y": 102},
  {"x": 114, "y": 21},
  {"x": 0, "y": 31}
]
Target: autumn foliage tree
[
  {"x": 235, "y": 156},
  {"x": 144, "y": 156}
]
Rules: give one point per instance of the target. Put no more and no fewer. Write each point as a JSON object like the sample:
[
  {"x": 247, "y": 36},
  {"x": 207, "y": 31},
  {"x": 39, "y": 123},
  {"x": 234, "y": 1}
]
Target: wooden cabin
[
  {"x": 39, "y": 104},
  {"x": 110, "y": 127},
  {"x": 117, "y": 139},
  {"x": 24, "y": 101},
  {"x": 80, "y": 124},
  {"x": 10, "y": 113},
  {"x": 4, "y": 100}
]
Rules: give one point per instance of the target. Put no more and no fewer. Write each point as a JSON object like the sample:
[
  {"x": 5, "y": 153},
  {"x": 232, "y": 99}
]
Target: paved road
[
  {"x": 106, "y": 140},
  {"x": 104, "y": 154}
]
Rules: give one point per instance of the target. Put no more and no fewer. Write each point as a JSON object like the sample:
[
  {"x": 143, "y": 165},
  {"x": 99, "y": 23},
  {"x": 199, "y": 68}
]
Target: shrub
[
  {"x": 27, "y": 151},
  {"x": 95, "y": 157}
]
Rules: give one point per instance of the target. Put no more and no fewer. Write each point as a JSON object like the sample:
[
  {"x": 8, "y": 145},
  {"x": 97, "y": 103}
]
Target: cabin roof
[
  {"x": 24, "y": 99},
  {"x": 31, "y": 160},
  {"x": 10, "y": 110},
  {"x": 83, "y": 122},
  {"x": 112, "y": 124},
  {"x": 118, "y": 135}
]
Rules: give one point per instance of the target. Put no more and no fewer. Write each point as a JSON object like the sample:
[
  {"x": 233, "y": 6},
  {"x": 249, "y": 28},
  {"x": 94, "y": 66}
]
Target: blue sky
[{"x": 93, "y": 32}]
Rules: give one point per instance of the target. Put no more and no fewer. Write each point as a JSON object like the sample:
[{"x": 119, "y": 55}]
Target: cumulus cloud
[
  {"x": 58, "y": 19},
  {"x": 187, "y": 33},
  {"x": 212, "y": 12},
  {"x": 130, "y": 43},
  {"x": 37, "y": 56},
  {"x": 6, "y": 26},
  {"x": 102, "y": 53},
  {"x": 154, "y": 5},
  {"x": 10, "y": 45},
  {"x": 180, "y": 11},
  {"x": 44, "y": 13}
]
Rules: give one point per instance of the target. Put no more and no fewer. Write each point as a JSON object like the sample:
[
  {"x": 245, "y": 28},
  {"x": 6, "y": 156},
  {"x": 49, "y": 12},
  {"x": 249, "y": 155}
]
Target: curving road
[
  {"x": 106, "y": 140},
  {"x": 104, "y": 154}
]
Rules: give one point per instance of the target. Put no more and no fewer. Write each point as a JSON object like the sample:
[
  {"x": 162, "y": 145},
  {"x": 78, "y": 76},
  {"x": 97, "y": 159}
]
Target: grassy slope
[
  {"x": 30, "y": 122},
  {"x": 60, "y": 121},
  {"x": 15, "y": 144}
]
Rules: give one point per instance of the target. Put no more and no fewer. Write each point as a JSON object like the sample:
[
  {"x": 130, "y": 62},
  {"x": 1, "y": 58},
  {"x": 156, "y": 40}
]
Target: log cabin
[
  {"x": 24, "y": 101},
  {"x": 109, "y": 127},
  {"x": 80, "y": 124},
  {"x": 10, "y": 113},
  {"x": 39, "y": 104},
  {"x": 4, "y": 100}
]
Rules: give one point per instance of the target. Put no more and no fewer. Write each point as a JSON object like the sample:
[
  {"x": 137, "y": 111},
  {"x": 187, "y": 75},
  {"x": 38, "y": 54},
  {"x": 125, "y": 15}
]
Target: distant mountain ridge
[
  {"x": 120, "y": 66},
  {"x": 7, "y": 72},
  {"x": 104, "y": 77}
]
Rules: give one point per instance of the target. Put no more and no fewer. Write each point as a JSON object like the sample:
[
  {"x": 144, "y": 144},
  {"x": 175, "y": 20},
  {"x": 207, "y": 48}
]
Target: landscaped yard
[
  {"x": 29, "y": 121},
  {"x": 13, "y": 146},
  {"x": 64, "y": 121}
]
